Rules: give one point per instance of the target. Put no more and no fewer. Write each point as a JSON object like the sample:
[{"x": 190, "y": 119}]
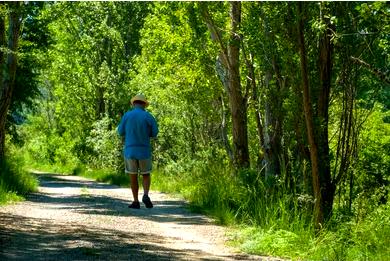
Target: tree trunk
[
  {"x": 272, "y": 104},
  {"x": 8, "y": 67},
  {"x": 318, "y": 205},
  {"x": 251, "y": 84},
  {"x": 2, "y": 65},
  {"x": 224, "y": 135},
  {"x": 325, "y": 69},
  {"x": 230, "y": 58},
  {"x": 271, "y": 161},
  {"x": 238, "y": 104}
]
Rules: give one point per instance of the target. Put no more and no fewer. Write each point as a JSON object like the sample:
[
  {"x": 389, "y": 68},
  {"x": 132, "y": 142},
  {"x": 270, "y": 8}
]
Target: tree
[
  {"x": 309, "y": 119},
  {"x": 8, "y": 63},
  {"x": 230, "y": 59}
]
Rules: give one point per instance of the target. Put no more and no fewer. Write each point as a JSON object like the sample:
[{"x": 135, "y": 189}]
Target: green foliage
[
  {"x": 230, "y": 198},
  {"x": 374, "y": 161},
  {"x": 105, "y": 148},
  {"x": 44, "y": 146},
  {"x": 367, "y": 239},
  {"x": 176, "y": 77},
  {"x": 15, "y": 181}
]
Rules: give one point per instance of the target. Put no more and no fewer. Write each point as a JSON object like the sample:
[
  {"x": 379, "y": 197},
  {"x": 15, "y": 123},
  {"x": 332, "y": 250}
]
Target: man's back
[{"x": 138, "y": 126}]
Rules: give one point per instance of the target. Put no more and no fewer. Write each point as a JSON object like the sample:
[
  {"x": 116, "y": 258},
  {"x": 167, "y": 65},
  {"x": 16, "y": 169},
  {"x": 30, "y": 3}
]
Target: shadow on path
[
  {"x": 86, "y": 203},
  {"x": 44, "y": 240}
]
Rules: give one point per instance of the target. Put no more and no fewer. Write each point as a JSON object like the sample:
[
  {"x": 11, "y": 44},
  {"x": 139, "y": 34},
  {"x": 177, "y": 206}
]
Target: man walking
[{"x": 137, "y": 126}]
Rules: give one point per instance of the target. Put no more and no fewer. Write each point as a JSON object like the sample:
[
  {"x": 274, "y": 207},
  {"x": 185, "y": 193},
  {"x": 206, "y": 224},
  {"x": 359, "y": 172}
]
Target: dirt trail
[{"x": 73, "y": 218}]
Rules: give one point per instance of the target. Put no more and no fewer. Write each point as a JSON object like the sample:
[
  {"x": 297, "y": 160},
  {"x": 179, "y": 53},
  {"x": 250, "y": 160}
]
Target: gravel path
[{"x": 73, "y": 218}]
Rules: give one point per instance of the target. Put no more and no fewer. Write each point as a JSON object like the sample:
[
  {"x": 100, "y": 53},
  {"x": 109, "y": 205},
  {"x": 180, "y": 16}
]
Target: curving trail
[{"x": 73, "y": 218}]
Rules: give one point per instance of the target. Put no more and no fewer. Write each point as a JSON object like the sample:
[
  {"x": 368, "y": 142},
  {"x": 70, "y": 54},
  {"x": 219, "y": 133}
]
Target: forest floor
[{"x": 73, "y": 218}]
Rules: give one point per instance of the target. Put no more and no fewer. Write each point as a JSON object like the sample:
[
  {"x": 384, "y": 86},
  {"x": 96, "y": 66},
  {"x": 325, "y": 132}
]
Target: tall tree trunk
[
  {"x": 318, "y": 205},
  {"x": 2, "y": 68},
  {"x": 271, "y": 160},
  {"x": 325, "y": 69},
  {"x": 251, "y": 85},
  {"x": 273, "y": 102},
  {"x": 230, "y": 58},
  {"x": 238, "y": 104},
  {"x": 8, "y": 67}
]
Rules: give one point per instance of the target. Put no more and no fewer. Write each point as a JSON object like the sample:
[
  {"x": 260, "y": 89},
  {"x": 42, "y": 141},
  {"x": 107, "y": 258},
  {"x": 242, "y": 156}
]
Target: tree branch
[
  {"x": 383, "y": 76},
  {"x": 215, "y": 33}
]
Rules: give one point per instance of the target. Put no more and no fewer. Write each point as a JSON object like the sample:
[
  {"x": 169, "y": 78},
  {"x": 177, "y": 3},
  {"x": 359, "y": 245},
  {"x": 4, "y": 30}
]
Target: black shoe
[
  {"x": 147, "y": 202},
  {"x": 135, "y": 205}
]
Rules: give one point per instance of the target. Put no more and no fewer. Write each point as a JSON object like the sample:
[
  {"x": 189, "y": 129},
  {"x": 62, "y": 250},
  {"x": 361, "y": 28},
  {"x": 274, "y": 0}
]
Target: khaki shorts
[{"x": 134, "y": 166}]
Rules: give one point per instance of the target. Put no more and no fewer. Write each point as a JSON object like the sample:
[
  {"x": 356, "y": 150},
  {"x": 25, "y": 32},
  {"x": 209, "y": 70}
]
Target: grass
[
  {"x": 103, "y": 175},
  {"x": 8, "y": 196},
  {"x": 15, "y": 181}
]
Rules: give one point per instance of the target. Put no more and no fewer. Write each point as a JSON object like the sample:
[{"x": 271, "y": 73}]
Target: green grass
[
  {"x": 15, "y": 181},
  {"x": 8, "y": 196}
]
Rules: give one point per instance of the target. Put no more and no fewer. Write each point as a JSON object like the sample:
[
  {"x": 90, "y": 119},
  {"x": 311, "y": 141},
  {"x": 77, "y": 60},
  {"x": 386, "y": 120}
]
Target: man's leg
[
  {"x": 131, "y": 167},
  {"x": 146, "y": 183},
  {"x": 145, "y": 166},
  {"x": 134, "y": 186}
]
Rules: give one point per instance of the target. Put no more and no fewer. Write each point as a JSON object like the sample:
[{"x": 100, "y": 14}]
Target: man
[{"x": 137, "y": 126}]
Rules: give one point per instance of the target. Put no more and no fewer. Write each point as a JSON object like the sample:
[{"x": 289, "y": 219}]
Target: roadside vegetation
[{"x": 15, "y": 181}]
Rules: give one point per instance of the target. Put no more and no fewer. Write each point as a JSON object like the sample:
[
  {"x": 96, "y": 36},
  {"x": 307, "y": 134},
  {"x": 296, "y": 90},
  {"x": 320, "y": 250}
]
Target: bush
[{"x": 104, "y": 146}]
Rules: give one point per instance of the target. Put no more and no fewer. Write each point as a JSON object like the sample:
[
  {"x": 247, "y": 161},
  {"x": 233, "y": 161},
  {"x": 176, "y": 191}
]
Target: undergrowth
[
  {"x": 268, "y": 221},
  {"x": 15, "y": 181}
]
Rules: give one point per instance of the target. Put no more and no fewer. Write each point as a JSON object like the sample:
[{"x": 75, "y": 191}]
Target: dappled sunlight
[
  {"x": 40, "y": 239},
  {"x": 64, "y": 192}
]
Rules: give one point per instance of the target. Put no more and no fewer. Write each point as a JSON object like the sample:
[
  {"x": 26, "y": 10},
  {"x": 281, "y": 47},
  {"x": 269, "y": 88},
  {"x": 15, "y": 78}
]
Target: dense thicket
[{"x": 259, "y": 102}]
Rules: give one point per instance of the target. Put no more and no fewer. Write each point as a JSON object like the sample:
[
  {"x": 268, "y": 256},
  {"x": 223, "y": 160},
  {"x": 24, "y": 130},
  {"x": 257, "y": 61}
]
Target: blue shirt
[{"x": 138, "y": 126}]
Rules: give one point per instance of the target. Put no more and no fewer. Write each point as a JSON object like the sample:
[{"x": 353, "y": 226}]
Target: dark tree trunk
[
  {"x": 8, "y": 67},
  {"x": 325, "y": 69},
  {"x": 318, "y": 205},
  {"x": 2, "y": 68},
  {"x": 238, "y": 104}
]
